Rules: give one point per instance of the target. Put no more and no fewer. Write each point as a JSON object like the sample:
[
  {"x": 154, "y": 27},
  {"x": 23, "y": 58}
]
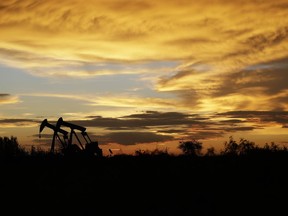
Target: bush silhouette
[
  {"x": 10, "y": 147},
  {"x": 244, "y": 147},
  {"x": 230, "y": 147},
  {"x": 192, "y": 147},
  {"x": 210, "y": 151},
  {"x": 155, "y": 152}
]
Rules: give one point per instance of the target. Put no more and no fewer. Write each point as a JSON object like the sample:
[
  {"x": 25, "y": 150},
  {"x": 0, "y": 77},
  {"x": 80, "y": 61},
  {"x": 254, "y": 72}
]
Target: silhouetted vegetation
[
  {"x": 210, "y": 151},
  {"x": 242, "y": 178},
  {"x": 192, "y": 148},
  {"x": 155, "y": 152},
  {"x": 9, "y": 147},
  {"x": 244, "y": 147}
]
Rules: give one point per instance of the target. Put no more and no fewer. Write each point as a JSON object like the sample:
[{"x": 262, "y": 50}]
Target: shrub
[
  {"x": 10, "y": 147},
  {"x": 191, "y": 147}
]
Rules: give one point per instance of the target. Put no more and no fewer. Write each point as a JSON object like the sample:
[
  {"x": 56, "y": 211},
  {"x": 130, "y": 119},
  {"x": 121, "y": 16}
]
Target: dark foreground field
[{"x": 146, "y": 185}]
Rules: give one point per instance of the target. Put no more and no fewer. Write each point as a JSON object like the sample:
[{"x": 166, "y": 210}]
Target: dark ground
[{"x": 146, "y": 185}]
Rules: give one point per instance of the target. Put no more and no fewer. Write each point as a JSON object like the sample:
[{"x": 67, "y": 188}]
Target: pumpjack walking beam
[
  {"x": 73, "y": 127},
  {"x": 65, "y": 140}
]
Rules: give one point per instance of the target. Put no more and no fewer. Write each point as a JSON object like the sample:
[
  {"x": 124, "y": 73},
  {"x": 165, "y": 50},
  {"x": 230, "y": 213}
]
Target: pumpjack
[
  {"x": 90, "y": 148},
  {"x": 64, "y": 141}
]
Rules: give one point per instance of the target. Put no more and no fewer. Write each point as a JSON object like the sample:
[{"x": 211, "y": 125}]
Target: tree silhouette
[
  {"x": 244, "y": 147},
  {"x": 230, "y": 147},
  {"x": 192, "y": 147},
  {"x": 273, "y": 147},
  {"x": 10, "y": 147},
  {"x": 210, "y": 151}
]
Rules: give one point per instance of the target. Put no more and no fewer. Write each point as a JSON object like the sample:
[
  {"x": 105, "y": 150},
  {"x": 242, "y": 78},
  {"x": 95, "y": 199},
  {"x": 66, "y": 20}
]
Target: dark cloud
[
  {"x": 234, "y": 129},
  {"x": 245, "y": 114},
  {"x": 127, "y": 127},
  {"x": 137, "y": 128},
  {"x": 268, "y": 79},
  {"x": 262, "y": 41},
  {"x": 203, "y": 135},
  {"x": 259, "y": 42},
  {"x": 17, "y": 121},
  {"x": 170, "y": 131},
  {"x": 273, "y": 80},
  {"x": 132, "y": 138},
  {"x": 157, "y": 115},
  {"x": 280, "y": 117},
  {"x": 146, "y": 119},
  {"x": 186, "y": 125},
  {"x": 6, "y": 98},
  {"x": 215, "y": 130},
  {"x": 4, "y": 95},
  {"x": 232, "y": 121}
]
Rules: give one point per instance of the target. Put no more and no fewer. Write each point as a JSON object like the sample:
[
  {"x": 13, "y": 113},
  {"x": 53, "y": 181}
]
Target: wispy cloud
[
  {"x": 280, "y": 117},
  {"x": 134, "y": 138},
  {"x": 14, "y": 123},
  {"x": 113, "y": 100},
  {"x": 8, "y": 99}
]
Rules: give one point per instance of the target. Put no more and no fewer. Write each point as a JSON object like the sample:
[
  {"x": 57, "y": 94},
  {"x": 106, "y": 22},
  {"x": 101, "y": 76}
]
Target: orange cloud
[
  {"x": 210, "y": 39},
  {"x": 70, "y": 31}
]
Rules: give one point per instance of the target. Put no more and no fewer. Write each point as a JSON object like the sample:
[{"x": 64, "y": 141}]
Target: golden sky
[{"x": 144, "y": 63}]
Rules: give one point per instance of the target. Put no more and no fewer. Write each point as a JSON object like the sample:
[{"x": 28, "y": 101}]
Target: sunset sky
[{"x": 145, "y": 74}]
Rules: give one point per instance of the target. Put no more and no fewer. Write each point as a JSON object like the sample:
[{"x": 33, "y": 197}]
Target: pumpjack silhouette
[{"x": 90, "y": 148}]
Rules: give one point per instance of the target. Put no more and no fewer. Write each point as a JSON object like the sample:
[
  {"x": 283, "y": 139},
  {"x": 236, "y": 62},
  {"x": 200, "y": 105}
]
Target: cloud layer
[
  {"x": 204, "y": 57},
  {"x": 153, "y": 126},
  {"x": 221, "y": 50},
  {"x": 235, "y": 33}
]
